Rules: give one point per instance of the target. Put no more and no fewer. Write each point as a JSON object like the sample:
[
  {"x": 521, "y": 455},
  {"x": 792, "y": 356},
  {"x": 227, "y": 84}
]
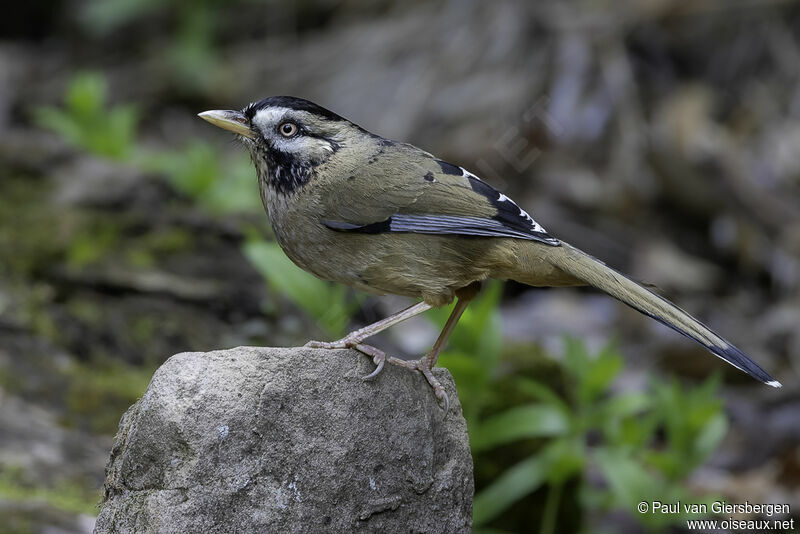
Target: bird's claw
[
  {"x": 438, "y": 389},
  {"x": 378, "y": 357},
  {"x": 422, "y": 365}
]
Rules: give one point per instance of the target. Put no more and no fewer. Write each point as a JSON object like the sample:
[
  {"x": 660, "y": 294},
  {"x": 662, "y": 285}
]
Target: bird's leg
[
  {"x": 423, "y": 365},
  {"x": 354, "y": 339},
  {"x": 426, "y": 363},
  {"x": 357, "y": 336}
]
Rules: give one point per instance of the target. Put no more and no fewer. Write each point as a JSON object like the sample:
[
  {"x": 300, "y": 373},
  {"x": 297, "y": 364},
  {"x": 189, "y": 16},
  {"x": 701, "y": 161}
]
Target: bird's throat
[{"x": 281, "y": 172}]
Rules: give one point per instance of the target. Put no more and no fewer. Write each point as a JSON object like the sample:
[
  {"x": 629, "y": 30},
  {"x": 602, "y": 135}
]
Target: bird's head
[{"x": 288, "y": 137}]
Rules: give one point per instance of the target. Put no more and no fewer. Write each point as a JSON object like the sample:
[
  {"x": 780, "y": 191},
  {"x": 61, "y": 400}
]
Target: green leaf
[
  {"x": 236, "y": 189},
  {"x": 567, "y": 456},
  {"x": 219, "y": 184},
  {"x": 86, "y": 95},
  {"x": 61, "y": 123},
  {"x": 87, "y": 123},
  {"x": 541, "y": 392},
  {"x": 192, "y": 170},
  {"x": 627, "y": 404},
  {"x": 600, "y": 373},
  {"x": 710, "y": 437},
  {"x": 472, "y": 382},
  {"x": 631, "y": 431},
  {"x": 686, "y": 414},
  {"x": 528, "y": 421},
  {"x": 629, "y": 481},
  {"x": 621, "y": 419},
  {"x": 593, "y": 375},
  {"x": 514, "y": 484}
]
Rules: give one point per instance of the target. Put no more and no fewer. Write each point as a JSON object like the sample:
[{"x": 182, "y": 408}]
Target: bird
[{"x": 386, "y": 217}]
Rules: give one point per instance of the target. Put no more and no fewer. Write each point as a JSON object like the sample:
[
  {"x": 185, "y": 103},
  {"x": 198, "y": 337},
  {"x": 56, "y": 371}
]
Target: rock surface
[{"x": 288, "y": 440}]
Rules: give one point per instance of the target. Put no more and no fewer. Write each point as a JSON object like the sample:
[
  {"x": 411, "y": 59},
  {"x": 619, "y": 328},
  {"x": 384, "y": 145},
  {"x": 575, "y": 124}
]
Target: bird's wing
[{"x": 429, "y": 196}]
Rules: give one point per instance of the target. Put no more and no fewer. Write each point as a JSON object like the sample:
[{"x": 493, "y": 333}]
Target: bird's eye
[{"x": 288, "y": 129}]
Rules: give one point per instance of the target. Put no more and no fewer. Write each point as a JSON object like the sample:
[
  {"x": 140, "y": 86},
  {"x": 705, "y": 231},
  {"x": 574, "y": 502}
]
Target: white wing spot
[
  {"x": 536, "y": 227},
  {"x": 466, "y": 174}
]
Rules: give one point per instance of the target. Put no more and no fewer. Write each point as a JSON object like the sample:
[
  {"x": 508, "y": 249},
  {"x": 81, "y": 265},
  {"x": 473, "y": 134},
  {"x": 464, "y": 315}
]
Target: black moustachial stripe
[{"x": 283, "y": 172}]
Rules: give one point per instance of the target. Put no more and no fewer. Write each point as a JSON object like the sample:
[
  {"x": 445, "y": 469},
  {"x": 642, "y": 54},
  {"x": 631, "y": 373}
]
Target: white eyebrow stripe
[{"x": 270, "y": 114}]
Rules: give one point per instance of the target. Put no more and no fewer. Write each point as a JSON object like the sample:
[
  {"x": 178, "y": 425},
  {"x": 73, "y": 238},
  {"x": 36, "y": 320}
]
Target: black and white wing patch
[
  {"x": 495, "y": 215},
  {"x": 513, "y": 219}
]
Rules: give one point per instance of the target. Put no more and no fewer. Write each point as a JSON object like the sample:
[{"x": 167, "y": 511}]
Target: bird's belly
[
  {"x": 399, "y": 264},
  {"x": 316, "y": 249},
  {"x": 426, "y": 267}
]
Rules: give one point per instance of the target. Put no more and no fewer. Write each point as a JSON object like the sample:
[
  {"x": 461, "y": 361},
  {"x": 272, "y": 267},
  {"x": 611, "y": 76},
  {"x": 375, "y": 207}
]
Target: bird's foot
[
  {"x": 350, "y": 341},
  {"x": 377, "y": 355},
  {"x": 423, "y": 365},
  {"x": 338, "y": 344}
]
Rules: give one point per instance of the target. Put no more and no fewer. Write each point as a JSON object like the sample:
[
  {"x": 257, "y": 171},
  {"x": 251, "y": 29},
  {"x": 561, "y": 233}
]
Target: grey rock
[{"x": 288, "y": 440}]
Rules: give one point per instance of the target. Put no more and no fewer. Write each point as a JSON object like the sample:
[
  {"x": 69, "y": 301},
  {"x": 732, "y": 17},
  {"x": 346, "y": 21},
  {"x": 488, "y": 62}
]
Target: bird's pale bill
[{"x": 233, "y": 121}]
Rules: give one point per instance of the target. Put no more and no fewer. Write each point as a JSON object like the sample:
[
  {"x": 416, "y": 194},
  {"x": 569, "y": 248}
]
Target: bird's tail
[{"x": 594, "y": 272}]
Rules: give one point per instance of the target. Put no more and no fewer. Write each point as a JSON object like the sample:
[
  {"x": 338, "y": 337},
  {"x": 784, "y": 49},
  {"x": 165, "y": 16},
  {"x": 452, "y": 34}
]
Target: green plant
[
  {"x": 86, "y": 122},
  {"x": 221, "y": 184},
  {"x": 556, "y": 421},
  {"x": 590, "y": 428},
  {"x": 218, "y": 183}
]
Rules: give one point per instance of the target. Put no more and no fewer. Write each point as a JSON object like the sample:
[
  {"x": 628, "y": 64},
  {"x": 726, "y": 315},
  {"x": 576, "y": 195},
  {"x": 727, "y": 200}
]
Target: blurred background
[{"x": 661, "y": 136}]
